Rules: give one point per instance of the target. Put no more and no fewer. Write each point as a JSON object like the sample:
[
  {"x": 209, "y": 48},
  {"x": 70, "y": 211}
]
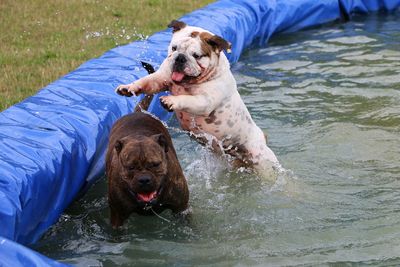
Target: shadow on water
[{"x": 329, "y": 100}]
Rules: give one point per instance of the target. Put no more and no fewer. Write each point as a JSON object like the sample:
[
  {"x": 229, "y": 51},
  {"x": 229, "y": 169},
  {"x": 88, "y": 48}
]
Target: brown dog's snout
[{"x": 144, "y": 180}]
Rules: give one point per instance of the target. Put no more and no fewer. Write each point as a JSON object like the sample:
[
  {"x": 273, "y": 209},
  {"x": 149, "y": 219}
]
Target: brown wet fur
[
  {"x": 138, "y": 141},
  {"x": 144, "y": 103}
]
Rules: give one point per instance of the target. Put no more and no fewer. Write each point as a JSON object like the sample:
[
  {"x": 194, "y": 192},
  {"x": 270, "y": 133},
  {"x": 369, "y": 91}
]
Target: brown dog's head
[
  {"x": 143, "y": 166},
  {"x": 194, "y": 53}
]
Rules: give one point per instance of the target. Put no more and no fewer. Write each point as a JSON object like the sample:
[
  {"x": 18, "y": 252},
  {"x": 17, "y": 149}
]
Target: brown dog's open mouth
[{"x": 147, "y": 197}]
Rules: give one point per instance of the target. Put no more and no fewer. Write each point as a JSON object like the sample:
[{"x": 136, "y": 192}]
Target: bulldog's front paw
[
  {"x": 169, "y": 102},
  {"x": 127, "y": 89}
]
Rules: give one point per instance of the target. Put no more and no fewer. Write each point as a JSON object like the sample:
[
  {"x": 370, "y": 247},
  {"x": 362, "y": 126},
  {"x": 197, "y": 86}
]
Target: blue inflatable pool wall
[{"x": 53, "y": 144}]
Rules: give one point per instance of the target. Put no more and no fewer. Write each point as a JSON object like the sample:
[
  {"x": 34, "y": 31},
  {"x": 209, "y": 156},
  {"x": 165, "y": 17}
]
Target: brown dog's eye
[
  {"x": 154, "y": 164},
  {"x": 174, "y": 48}
]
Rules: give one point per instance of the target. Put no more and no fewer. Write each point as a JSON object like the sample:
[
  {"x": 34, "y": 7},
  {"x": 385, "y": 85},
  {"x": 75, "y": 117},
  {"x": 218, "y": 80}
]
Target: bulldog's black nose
[
  {"x": 181, "y": 58},
  {"x": 144, "y": 180}
]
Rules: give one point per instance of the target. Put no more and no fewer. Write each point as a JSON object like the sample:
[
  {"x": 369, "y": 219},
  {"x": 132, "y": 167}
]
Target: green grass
[{"x": 43, "y": 40}]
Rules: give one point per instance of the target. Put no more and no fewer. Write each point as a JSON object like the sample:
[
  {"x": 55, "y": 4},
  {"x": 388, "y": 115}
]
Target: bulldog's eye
[
  {"x": 154, "y": 164},
  {"x": 196, "y": 56},
  {"x": 132, "y": 168},
  {"x": 174, "y": 48}
]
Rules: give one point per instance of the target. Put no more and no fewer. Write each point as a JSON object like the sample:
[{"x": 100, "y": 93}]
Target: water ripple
[{"x": 329, "y": 100}]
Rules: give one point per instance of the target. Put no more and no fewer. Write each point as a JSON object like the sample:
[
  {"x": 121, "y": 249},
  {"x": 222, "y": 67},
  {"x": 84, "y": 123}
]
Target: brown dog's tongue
[
  {"x": 147, "y": 197},
  {"x": 177, "y": 76}
]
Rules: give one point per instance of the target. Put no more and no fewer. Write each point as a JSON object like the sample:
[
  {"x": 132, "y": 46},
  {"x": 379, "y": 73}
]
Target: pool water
[{"x": 329, "y": 98}]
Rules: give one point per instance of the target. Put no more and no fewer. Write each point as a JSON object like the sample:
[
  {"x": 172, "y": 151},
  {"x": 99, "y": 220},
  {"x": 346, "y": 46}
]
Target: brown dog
[{"x": 144, "y": 174}]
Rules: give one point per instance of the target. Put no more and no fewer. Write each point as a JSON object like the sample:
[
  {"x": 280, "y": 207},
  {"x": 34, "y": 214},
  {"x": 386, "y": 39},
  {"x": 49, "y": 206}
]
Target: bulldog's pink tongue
[
  {"x": 147, "y": 197},
  {"x": 177, "y": 76}
]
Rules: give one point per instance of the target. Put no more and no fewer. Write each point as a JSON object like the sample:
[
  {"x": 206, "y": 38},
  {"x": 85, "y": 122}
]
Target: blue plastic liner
[
  {"x": 52, "y": 145},
  {"x": 246, "y": 22},
  {"x": 16, "y": 255},
  {"x": 366, "y": 6}
]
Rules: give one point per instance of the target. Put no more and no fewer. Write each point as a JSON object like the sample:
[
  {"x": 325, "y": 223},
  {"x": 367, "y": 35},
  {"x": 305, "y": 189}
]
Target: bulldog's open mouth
[
  {"x": 146, "y": 197},
  {"x": 180, "y": 77},
  {"x": 177, "y": 76}
]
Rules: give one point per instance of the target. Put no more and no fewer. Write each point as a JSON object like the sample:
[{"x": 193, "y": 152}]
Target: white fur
[{"x": 217, "y": 96}]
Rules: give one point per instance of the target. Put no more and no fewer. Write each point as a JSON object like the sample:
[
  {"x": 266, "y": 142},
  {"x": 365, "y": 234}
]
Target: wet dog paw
[
  {"x": 167, "y": 103},
  {"x": 127, "y": 89}
]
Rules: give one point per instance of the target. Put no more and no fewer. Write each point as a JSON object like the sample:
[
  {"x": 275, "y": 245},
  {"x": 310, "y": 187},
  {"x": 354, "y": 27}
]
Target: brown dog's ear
[
  {"x": 118, "y": 146},
  {"x": 161, "y": 140},
  {"x": 219, "y": 43},
  {"x": 176, "y": 25}
]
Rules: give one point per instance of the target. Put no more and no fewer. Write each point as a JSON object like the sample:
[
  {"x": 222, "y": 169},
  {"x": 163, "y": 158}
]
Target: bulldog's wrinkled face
[
  {"x": 143, "y": 166},
  {"x": 194, "y": 53}
]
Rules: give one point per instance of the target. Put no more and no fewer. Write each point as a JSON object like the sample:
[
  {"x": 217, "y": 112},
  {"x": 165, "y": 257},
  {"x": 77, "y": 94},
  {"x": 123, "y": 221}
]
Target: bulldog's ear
[
  {"x": 219, "y": 43},
  {"x": 119, "y": 144},
  {"x": 162, "y": 141},
  {"x": 176, "y": 25}
]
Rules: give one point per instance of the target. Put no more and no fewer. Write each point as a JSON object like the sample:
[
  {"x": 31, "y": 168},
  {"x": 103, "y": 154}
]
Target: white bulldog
[{"x": 205, "y": 98}]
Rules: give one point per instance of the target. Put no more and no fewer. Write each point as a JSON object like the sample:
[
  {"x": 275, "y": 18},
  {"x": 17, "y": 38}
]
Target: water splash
[{"x": 333, "y": 120}]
